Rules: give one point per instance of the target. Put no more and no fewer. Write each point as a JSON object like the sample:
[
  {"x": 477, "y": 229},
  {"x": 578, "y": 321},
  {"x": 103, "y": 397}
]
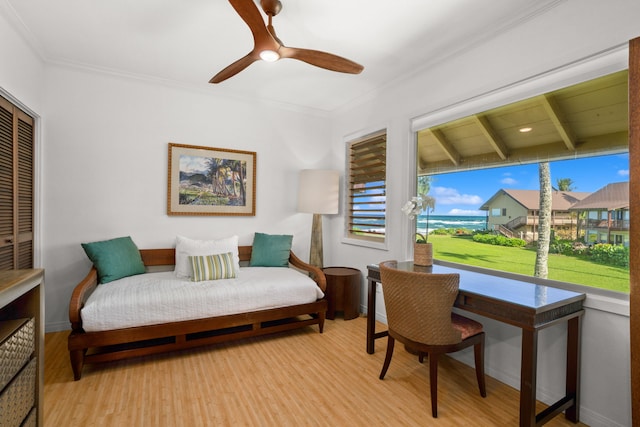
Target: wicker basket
[
  {"x": 16, "y": 347},
  {"x": 423, "y": 254},
  {"x": 18, "y": 399},
  {"x": 31, "y": 420}
]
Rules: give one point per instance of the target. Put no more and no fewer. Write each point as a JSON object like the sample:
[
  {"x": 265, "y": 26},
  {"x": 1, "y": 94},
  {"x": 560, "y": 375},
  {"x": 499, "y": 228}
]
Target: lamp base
[{"x": 315, "y": 253}]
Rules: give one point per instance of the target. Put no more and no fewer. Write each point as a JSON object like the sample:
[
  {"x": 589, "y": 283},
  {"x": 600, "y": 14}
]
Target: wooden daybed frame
[{"x": 104, "y": 346}]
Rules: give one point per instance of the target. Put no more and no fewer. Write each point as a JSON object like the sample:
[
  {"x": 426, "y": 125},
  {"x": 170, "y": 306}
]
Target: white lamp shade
[{"x": 319, "y": 191}]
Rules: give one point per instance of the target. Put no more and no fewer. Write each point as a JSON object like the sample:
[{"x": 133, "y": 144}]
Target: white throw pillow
[{"x": 186, "y": 247}]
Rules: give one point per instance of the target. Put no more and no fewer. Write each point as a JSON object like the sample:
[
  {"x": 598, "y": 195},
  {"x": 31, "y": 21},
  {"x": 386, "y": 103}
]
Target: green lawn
[{"x": 521, "y": 260}]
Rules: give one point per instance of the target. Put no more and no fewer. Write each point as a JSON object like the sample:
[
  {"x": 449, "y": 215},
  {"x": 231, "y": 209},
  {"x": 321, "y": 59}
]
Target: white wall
[
  {"x": 105, "y": 168},
  {"x": 21, "y": 69},
  {"x": 568, "y": 33}
]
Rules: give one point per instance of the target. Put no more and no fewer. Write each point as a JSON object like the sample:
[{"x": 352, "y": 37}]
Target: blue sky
[{"x": 462, "y": 193}]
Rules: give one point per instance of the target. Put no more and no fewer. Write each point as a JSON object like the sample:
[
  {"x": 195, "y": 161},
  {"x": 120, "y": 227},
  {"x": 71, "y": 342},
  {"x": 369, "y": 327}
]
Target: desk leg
[
  {"x": 528, "y": 371},
  {"x": 371, "y": 316},
  {"x": 573, "y": 368}
]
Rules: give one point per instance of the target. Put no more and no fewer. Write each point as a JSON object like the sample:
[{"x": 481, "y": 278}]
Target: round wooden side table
[{"x": 343, "y": 291}]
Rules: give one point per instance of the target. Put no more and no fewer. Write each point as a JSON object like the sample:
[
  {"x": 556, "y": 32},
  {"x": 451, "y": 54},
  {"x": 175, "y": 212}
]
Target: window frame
[
  {"x": 348, "y": 237},
  {"x": 611, "y": 61}
]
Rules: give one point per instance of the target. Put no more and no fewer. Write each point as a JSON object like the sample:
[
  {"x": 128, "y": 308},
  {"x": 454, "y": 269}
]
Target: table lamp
[{"x": 318, "y": 193}]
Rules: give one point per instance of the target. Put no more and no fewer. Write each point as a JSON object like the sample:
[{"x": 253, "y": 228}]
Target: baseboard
[{"x": 57, "y": 327}]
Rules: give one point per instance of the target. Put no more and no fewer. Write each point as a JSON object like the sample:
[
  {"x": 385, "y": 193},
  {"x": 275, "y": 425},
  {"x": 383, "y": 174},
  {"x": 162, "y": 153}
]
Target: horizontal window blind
[{"x": 367, "y": 188}]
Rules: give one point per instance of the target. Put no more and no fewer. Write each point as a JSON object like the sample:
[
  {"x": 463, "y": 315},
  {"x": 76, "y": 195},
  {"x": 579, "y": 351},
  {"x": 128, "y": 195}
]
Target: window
[
  {"x": 366, "y": 220},
  {"x": 16, "y": 187},
  {"x": 476, "y": 160}
]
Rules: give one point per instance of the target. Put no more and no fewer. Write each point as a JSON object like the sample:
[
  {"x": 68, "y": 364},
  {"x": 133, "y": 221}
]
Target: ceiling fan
[{"x": 268, "y": 47}]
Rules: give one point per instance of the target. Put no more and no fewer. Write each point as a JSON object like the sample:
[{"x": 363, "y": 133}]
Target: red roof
[
  {"x": 612, "y": 196},
  {"x": 530, "y": 199}
]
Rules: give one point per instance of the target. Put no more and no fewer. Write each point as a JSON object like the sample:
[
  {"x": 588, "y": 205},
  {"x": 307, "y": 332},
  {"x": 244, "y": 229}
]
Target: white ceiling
[{"x": 188, "y": 41}]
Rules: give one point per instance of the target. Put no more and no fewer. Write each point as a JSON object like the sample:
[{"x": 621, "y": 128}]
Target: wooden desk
[{"x": 528, "y": 306}]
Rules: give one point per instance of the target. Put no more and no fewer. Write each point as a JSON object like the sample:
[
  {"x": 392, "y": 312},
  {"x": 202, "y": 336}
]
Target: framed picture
[{"x": 211, "y": 181}]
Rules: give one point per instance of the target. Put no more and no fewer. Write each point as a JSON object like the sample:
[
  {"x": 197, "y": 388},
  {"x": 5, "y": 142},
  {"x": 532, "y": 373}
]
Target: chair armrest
[
  {"x": 316, "y": 273},
  {"x": 79, "y": 296}
]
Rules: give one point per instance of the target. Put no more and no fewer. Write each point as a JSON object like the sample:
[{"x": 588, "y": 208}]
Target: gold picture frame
[{"x": 211, "y": 181}]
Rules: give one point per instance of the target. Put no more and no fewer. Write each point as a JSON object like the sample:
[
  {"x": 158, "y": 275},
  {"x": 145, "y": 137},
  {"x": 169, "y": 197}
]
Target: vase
[{"x": 423, "y": 254}]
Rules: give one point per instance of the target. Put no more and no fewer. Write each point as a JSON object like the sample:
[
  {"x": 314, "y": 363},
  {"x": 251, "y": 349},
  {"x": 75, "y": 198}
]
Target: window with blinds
[
  {"x": 367, "y": 188},
  {"x": 16, "y": 187}
]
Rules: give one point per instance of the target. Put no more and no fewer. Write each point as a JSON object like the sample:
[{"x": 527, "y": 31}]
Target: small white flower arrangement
[{"x": 415, "y": 206}]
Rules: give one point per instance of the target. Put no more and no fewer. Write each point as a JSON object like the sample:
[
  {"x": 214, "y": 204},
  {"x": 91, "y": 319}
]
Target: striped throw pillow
[{"x": 212, "y": 267}]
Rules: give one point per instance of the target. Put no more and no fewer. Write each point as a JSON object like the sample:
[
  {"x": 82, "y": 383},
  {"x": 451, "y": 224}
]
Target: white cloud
[
  {"x": 466, "y": 212},
  {"x": 623, "y": 172},
  {"x": 451, "y": 196},
  {"x": 193, "y": 164},
  {"x": 508, "y": 181}
]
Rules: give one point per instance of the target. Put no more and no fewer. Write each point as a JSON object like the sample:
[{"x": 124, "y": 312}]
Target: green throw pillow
[
  {"x": 270, "y": 250},
  {"x": 115, "y": 258},
  {"x": 212, "y": 267}
]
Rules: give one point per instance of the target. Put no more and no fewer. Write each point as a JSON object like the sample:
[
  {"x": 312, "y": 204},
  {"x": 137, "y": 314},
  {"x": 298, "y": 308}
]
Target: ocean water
[
  {"x": 451, "y": 221},
  {"x": 442, "y": 221}
]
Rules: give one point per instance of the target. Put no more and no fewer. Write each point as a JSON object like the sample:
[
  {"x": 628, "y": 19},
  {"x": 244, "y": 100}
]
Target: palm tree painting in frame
[{"x": 211, "y": 181}]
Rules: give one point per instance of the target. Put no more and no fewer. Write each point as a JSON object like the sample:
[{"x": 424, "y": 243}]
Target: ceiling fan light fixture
[
  {"x": 268, "y": 47},
  {"x": 269, "y": 55}
]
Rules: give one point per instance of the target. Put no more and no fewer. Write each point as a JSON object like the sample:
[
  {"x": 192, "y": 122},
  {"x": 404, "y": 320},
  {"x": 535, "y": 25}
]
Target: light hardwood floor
[{"x": 299, "y": 378}]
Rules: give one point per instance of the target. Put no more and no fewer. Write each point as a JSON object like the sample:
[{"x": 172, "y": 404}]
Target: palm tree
[
  {"x": 238, "y": 169},
  {"x": 424, "y": 184},
  {"x": 217, "y": 173},
  {"x": 565, "y": 184},
  {"x": 544, "y": 228}
]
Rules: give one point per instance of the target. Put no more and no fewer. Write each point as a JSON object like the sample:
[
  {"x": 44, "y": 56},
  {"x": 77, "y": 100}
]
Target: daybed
[{"x": 108, "y": 345}]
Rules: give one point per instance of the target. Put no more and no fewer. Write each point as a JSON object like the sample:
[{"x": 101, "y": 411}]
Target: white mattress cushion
[{"x": 155, "y": 298}]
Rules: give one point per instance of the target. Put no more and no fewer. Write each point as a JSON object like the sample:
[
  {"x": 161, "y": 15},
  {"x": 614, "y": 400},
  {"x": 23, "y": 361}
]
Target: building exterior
[
  {"x": 515, "y": 213},
  {"x": 603, "y": 216}
]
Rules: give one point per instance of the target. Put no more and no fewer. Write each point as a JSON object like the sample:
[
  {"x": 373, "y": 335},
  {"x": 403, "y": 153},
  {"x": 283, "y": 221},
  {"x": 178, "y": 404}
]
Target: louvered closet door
[{"x": 16, "y": 187}]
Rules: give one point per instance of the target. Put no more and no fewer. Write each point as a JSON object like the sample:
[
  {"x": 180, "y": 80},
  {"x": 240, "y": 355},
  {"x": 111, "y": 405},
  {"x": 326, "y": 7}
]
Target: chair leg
[
  {"x": 421, "y": 357},
  {"x": 387, "y": 359},
  {"x": 433, "y": 381},
  {"x": 478, "y": 351}
]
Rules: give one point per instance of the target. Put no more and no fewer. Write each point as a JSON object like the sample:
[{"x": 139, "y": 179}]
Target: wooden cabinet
[
  {"x": 16, "y": 187},
  {"x": 21, "y": 347}
]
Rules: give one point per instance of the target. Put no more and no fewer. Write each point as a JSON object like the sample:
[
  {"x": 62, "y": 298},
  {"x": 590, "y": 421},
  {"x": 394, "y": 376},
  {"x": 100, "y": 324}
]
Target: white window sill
[{"x": 365, "y": 243}]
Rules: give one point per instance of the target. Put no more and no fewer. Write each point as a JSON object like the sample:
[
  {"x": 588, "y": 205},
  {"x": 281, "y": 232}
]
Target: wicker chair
[{"x": 419, "y": 316}]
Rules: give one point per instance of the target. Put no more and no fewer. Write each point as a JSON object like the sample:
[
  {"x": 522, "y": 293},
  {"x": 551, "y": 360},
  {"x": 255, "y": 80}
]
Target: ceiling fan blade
[
  {"x": 265, "y": 40},
  {"x": 321, "y": 59},
  {"x": 235, "y": 68},
  {"x": 250, "y": 14}
]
